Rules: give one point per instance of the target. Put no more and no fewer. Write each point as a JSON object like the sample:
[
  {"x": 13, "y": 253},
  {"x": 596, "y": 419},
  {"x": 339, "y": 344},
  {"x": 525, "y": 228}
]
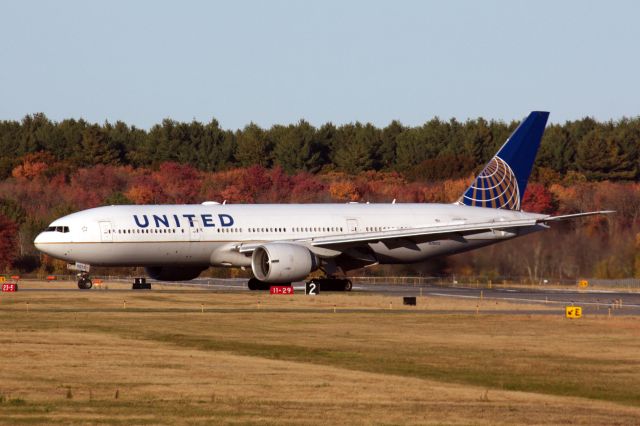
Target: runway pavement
[{"x": 592, "y": 301}]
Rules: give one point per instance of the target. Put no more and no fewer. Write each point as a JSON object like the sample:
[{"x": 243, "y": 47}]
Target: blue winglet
[{"x": 502, "y": 182}]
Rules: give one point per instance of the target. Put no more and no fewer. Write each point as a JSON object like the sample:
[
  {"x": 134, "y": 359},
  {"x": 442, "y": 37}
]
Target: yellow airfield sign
[{"x": 573, "y": 312}]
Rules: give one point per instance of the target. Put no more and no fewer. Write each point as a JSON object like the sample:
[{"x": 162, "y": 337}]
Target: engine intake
[{"x": 282, "y": 262}]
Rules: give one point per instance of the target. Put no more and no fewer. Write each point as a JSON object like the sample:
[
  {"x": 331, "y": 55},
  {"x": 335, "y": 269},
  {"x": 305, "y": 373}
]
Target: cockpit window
[{"x": 63, "y": 229}]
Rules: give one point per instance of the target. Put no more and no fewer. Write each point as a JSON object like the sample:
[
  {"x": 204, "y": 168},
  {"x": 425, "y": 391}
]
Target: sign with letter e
[
  {"x": 312, "y": 288},
  {"x": 573, "y": 312}
]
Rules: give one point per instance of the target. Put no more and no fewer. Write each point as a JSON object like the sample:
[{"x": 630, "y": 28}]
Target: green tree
[
  {"x": 386, "y": 155},
  {"x": 36, "y": 131},
  {"x": 421, "y": 143},
  {"x": 600, "y": 156},
  {"x": 296, "y": 147},
  {"x": 98, "y": 148},
  {"x": 557, "y": 151},
  {"x": 356, "y": 147},
  {"x": 163, "y": 141},
  {"x": 10, "y": 134},
  {"x": 479, "y": 139},
  {"x": 253, "y": 147},
  {"x": 69, "y": 146},
  {"x": 215, "y": 148}
]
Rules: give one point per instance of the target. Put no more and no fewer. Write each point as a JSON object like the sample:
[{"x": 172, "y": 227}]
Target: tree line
[
  {"x": 49, "y": 169},
  {"x": 438, "y": 149},
  {"x": 41, "y": 189}
]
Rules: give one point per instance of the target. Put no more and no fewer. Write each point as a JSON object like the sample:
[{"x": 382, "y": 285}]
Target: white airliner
[{"x": 282, "y": 243}]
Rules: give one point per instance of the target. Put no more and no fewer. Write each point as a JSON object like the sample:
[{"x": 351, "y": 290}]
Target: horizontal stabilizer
[{"x": 573, "y": 216}]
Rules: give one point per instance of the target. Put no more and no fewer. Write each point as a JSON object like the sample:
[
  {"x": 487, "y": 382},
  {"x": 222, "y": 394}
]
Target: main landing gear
[{"x": 84, "y": 281}]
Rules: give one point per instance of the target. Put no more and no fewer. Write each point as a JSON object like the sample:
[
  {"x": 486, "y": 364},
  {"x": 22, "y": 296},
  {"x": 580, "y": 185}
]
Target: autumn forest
[{"x": 49, "y": 169}]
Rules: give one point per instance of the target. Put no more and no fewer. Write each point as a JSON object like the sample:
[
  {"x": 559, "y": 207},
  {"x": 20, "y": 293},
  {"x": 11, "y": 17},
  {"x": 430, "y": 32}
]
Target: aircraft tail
[{"x": 502, "y": 182}]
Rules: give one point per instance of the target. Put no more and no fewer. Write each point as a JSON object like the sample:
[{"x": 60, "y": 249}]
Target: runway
[
  {"x": 592, "y": 301},
  {"x": 587, "y": 298}
]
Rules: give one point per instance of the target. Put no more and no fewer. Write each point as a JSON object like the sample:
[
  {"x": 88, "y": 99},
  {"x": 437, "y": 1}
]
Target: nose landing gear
[{"x": 84, "y": 281}]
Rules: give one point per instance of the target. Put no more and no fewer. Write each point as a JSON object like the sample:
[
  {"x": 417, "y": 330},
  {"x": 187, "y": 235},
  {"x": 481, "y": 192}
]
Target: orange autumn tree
[{"x": 33, "y": 165}]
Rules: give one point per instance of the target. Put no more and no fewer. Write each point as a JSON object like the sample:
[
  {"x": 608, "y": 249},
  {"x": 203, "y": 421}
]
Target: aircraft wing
[
  {"x": 441, "y": 232},
  {"x": 422, "y": 233}
]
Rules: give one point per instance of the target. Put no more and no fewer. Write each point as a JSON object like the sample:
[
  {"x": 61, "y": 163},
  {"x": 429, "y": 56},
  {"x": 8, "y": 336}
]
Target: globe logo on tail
[{"x": 495, "y": 187}]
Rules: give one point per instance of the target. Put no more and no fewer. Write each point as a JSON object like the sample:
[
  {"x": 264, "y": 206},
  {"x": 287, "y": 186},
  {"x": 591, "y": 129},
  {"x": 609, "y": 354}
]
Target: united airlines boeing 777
[{"x": 282, "y": 243}]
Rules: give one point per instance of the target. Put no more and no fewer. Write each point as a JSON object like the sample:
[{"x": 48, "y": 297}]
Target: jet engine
[
  {"x": 174, "y": 273},
  {"x": 282, "y": 262}
]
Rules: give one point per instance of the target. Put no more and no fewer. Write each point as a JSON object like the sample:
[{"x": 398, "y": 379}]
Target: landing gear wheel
[
  {"x": 84, "y": 282},
  {"x": 348, "y": 285}
]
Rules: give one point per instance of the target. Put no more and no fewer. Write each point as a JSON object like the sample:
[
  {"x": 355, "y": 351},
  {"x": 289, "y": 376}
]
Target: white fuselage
[{"x": 206, "y": 234}]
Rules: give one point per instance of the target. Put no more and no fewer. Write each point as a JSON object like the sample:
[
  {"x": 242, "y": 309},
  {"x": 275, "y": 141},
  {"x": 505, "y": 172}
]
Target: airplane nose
[
  {"x": 54, "y": 244},
  {"x": 38, "y": 241}
]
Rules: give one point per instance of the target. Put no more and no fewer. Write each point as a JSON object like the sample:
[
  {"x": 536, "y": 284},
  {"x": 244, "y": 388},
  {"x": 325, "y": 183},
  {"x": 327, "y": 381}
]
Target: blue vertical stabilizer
[{"x": 502, "y": 182}]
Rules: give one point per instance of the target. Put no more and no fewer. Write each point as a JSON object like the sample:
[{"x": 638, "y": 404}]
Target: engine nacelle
[
  {"x": 174, "y": 273},
  {"x": 282, "y": 262}
]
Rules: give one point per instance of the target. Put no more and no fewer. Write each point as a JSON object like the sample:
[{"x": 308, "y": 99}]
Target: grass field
[{"x": 106, "y": 357}]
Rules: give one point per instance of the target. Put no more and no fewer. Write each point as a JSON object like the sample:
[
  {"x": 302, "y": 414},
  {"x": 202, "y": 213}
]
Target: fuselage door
[
  {"x": 195, "y": 232},
  {"x": 352, "y": 225},
  {"x": 106, "y": 234}
]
